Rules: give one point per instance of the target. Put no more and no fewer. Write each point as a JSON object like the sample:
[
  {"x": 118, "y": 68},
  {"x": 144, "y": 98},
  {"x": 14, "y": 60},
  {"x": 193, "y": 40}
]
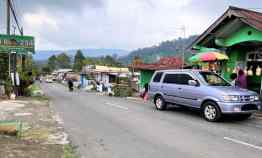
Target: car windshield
[{"x": 213, "y": 79}]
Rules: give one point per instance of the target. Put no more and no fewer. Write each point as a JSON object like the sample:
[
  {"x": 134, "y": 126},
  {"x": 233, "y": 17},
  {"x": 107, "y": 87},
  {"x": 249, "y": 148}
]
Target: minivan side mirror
[{"x": 192, "y": 83}]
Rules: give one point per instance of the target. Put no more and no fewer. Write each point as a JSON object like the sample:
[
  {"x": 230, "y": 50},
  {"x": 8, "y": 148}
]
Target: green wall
[
  {"x": 145, "y": 77},
  {"x": 205, "y": 49},
  {"x": 244, "y": 34},
  {"x": 235, "y": 57}
]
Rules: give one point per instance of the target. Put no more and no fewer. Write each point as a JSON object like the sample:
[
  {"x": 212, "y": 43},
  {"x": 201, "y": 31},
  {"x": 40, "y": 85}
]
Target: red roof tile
[{"x": 163, "y": 63}]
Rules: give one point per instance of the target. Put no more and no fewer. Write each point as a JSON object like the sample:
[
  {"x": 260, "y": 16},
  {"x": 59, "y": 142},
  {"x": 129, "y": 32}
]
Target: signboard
[{"x": 18, "y": 44}]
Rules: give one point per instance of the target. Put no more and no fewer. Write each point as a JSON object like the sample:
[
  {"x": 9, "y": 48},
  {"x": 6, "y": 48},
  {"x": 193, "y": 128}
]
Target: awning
[{"x": 208, "y": 56}]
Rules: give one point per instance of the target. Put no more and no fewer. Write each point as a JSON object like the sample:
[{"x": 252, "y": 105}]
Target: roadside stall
[{"x": 212, "y": 61}]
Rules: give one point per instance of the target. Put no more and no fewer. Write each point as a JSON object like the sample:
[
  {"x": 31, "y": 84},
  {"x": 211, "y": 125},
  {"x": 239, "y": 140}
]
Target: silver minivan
[{"x": 203, "y": 90}]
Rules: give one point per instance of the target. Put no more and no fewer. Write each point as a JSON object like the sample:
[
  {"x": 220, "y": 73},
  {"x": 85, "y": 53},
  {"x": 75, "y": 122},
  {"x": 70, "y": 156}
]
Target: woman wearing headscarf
[{"x": 241, "y": 79}]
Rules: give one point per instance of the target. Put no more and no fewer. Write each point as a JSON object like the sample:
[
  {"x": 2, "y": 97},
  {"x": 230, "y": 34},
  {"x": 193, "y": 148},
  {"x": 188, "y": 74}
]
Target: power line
[
  {"x": 16, "y": 9},
  {"x": 15, "y": 17}
]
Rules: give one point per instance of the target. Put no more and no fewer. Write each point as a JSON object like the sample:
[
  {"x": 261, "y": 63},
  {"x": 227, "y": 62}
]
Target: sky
[{"x": 122, "y": 24}]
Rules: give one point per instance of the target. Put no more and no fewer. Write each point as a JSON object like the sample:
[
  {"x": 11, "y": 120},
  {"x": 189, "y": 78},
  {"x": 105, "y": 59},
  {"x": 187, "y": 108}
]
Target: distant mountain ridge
[
  {"x": 42, "y": 55},
  {"x": 165, "y": 48}
]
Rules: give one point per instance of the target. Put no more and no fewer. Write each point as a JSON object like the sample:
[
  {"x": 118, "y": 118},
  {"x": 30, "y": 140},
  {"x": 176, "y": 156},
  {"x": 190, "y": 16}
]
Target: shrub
[
  {"x": 34, "y": 90},
  {"x": 8, "y": 86},
  {"x": 122, "y": 91}
]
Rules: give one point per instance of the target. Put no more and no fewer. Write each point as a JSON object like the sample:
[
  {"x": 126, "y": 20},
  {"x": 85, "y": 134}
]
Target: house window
[{"x": 255, "y": 56}]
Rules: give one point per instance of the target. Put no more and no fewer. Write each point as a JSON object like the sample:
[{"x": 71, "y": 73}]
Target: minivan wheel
[
  {"x": 211, "y": 112},
  {"x": 160, "y": 103}
]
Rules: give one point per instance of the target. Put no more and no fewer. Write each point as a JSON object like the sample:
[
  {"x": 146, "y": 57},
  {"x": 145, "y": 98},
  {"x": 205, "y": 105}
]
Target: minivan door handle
[{"x": 179, "y": 88}]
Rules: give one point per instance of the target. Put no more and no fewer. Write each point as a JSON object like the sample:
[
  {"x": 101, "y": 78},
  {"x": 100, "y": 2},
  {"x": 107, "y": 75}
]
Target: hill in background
[
  {"x": 148, "y": 54},
  {"x": 43, "y": 55},
  {"x": 166, "y": 48}
]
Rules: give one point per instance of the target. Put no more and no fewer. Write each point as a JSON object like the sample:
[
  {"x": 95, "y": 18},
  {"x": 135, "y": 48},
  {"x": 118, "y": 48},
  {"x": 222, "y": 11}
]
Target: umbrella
[
  {"x": 195, "y": 58},
  {"x": 208, "y": 56}
]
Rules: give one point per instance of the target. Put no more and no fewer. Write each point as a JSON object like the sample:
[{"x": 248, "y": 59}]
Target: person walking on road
[
  {"x": 70, "y": 85},
  {"x": 145, "y": 94}
]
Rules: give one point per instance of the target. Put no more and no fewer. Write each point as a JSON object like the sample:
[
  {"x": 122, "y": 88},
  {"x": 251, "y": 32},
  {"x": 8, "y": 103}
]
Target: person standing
[
  {"x": 145, "y": 94},
  {"x": 241, "y": 79},
  {"x": 233, "y": 78}
]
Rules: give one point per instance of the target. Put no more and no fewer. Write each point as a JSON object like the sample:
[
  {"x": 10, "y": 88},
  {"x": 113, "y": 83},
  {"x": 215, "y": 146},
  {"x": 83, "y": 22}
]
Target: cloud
[
  {"x": 68, "y": 5},
  {"x": 128, "y": 24}
]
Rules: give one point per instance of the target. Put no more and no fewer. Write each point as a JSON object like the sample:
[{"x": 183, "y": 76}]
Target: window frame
[
  {"x": 161, "y": 76},
  {"x": 180, "y": 73}
]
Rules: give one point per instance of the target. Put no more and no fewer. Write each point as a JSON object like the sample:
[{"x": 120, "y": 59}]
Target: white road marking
[
  {"x": 116, "y": 106},
  {"x": 243, "y": 143},
  {"x": 134, "y": 98}
]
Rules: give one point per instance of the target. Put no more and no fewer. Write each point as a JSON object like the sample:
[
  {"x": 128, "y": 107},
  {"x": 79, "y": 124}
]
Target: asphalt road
[{"x": 108, "y": 127}]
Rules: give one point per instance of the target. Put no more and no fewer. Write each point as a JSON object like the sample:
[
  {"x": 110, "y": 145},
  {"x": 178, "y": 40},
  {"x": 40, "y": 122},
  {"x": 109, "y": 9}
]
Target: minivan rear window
[
  {"x": 171, "y": 78},
  {"x": 158, "y": 77},
  {"x": 177, "y": 79}
]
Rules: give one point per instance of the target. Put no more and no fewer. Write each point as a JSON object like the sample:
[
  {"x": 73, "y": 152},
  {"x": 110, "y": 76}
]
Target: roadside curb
[{"x": 259, "y": 115}]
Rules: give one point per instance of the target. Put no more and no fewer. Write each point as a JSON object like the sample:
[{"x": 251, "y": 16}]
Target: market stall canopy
[{"x": 208, "y": 56}]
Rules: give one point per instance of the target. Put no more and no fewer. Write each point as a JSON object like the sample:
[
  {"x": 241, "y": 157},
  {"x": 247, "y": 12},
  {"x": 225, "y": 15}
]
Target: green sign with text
[{"x": 17, "y": 44}]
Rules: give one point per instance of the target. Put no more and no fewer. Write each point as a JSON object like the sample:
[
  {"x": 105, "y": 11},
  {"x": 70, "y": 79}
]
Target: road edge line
[{"x": 243, "y": 143}]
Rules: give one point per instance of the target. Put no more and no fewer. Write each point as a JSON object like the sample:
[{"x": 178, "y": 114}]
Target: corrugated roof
[
  {"x": 249, "y": 17},
  {"x": 162, "y": 64},
  {"x": 105, "y": 69}
]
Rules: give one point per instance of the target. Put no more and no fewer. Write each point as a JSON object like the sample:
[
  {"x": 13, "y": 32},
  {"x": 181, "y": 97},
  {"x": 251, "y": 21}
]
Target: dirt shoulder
[{"x": 41, "y": 133}]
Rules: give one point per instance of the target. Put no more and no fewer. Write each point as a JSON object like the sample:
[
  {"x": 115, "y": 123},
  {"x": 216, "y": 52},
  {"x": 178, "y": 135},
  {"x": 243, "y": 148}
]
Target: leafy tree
[
  {"x": 167, "y": 48},
  {"x": 52, "y": 62},
  {"x": 3, "y": 66},
  {"x": 79, "y": 61},
  {"x": 108, "y": 61},
  {"x": 63, "y": 61},
  {"x": 137, "y": 60},
  {"x": 46, "y": 69},
  {"x": 89, "y": 61}
]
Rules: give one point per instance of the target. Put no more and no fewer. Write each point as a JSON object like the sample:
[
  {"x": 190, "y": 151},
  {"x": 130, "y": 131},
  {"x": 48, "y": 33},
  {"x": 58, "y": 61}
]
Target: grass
[
  {"x": 34, "y": 90},
  {"x": 41, "y": 98},
  {"x": 69, "y": 151},
  {"x": 36, "y": 134},
  {"x": 34, "y": 87}
]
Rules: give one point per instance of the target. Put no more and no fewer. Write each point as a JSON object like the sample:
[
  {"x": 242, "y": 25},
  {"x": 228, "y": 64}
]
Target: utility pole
[
  {"x": 8, "y": 3},
  {"x": 8, "y": 32},
  {"x": 11, "y": 54},
  {"x": 183, "y": 47}
]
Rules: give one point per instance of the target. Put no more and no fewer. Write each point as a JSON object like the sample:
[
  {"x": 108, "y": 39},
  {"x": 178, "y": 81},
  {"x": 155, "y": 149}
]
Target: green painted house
[
  {"x": 238, "y": 33},
  {"x": 147, "y": 70}
]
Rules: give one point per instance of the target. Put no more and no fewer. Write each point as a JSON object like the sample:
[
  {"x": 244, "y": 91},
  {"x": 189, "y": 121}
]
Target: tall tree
[
  {"x": 46, "y": 69},
  {"x": 89, "y": 61},
  {"x": 3, "y": 66},
  {"x": 52, "y": 62},
  {"x": 137, "y": 60},
  {"x": 63, "y": 61},
  {"x": 79, "y": 61}
]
